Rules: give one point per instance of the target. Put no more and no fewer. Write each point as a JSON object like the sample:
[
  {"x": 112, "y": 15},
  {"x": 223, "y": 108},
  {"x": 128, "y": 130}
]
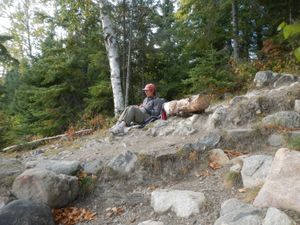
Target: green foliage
[
  {"x": 211, "y": 74},
  {"x": 294, "y": 143},
  {"x": 291, "y": 32}
]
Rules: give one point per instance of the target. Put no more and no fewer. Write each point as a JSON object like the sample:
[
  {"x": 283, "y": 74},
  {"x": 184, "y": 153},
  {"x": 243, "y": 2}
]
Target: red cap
[{"x": 149, "y": 87}]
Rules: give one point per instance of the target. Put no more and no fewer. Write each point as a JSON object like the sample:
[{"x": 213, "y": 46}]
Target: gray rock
[
  {"x": 183, "y": 203},
  {"x": 9, "y": 170},
  {"x": 218, "y": 156},
  {"x": 235, "y": 212},
  {"x": 236, "y": 168},
  {"x": 94, "y": 166},
  {"x": 288, "y": 119},
  {"x": 255, "y": 170},
  {"x": 151, "y": 222},
  {"x": 277, "y": 217},
  {"x": 207, "y": 142},
  {"x": 57, "y": 166},
  {"x": 285, "y": 80},
  {"x": 26, "y": 212},
  {"x": 297, "y": 105},
  {"x": 282, "y": 186},
  {"x": 217, "y": 118},
  {"x": 263, "y": 78},
  {"x": 56, "y": 190},
  {"x": 237, "y": 100},
  {"x": 240, "y": 134},
  {"x": 276, "y": 140},
  {"x": 123, "y": 163},
  {"x": 3, "y": 201}
]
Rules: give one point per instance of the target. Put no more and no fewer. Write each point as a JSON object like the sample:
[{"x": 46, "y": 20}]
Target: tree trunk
[
  {"x": 235, "y": 30},
  {"x": 113, "y": 58},
  {"x": 128, "y": 75}
]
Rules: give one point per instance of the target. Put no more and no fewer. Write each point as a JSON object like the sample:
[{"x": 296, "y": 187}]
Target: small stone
[
  {"x": 218, "y": 156},
  {"x": 276, "y": 140}
]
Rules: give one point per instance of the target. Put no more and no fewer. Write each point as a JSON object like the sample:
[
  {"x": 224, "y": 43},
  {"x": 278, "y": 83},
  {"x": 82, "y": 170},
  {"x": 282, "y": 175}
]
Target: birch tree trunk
[
  {"x": 236, "y": 54},
  {"x": 113, "y": 57}
]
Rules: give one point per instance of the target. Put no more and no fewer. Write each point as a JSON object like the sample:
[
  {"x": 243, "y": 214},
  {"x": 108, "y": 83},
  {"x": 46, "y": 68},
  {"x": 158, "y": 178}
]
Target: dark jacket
[{"x": 152, "y": 105}]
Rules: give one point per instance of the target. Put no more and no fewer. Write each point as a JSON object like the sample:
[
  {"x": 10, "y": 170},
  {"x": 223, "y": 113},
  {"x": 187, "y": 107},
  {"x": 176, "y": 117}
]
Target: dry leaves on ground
[
  {"x": 72, "y": 215},
  {"x": 233, "y": 154},
  {"x": 214, "y": 165},
  {"x": 115, "y": 211}
]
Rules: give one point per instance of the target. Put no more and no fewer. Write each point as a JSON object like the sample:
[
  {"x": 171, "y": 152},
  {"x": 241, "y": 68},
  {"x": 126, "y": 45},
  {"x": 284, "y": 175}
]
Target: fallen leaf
[
  {"x": 242, "y": 190},
  {"x": 214, "y": 165},
  {"x": 72, "y": 215}
]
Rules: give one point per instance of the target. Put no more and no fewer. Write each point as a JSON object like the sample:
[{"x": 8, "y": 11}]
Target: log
[{"x": 43, "y": 140}]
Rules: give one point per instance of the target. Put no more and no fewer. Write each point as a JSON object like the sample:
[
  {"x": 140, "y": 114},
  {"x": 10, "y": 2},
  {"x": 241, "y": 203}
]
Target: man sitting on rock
[{"x": 151, "y": 106}]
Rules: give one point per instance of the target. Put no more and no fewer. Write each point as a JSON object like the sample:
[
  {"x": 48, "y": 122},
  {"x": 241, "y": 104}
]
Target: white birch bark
[{"x": 113, "y": 58}]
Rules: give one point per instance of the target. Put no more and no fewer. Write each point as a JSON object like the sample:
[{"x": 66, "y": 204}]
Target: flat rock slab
[
  {"x": 57, "y": 166},
  {"x": 26, "y": 212},
  {"x": 255, "y": 170},
  {"x": 282, "y": 186},
  {"x": 182, "y": 203},
  {"x": 55, "y": 190}
]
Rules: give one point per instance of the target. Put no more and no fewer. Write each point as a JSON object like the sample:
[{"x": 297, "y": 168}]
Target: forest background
[{"x": 55, "y": 73}]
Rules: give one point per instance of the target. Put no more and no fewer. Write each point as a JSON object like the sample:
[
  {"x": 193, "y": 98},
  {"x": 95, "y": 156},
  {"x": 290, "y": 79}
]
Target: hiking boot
[{"x": 119, "y": 128}]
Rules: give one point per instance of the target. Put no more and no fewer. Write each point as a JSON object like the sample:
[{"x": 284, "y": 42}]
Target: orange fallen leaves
[
  {"x": 72, "y": 215},
  {"x": 233, "y": 154},
  {"x": 214, "y": 165},
  {"x": 115, "y": 211}
]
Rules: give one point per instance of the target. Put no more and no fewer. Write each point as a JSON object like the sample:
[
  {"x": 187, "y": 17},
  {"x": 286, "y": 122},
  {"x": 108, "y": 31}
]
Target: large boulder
[
  {"x": 183, "y": 203},
  {"x": 276, "y": 217},
  {"x": 235, "y": 212},
  {"x": 255, "y": 170},
  {"x": 264, "y": 78},
  {"x": 9, "y": 170},
  {"x": 124, "y": 163},
  {"x": 56, "y": 190},
  {"x": 289, "y": 119},
  {"x": 57, "y": 166},
  {"x": 263, "y": 102},
  {"x": 26, "y": 212},
  {"x": 282, "y": 186}
]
